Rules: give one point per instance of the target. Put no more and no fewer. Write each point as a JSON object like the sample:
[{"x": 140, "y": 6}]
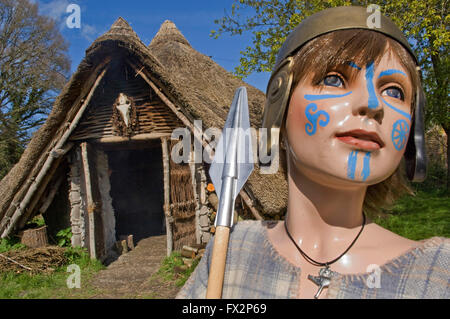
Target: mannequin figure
[
  {"x": 353, "y": 150},
  {"x": 352, "y": 111}
]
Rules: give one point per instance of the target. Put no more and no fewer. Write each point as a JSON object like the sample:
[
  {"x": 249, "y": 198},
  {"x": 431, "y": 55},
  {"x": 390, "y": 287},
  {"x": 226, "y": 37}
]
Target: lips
[{"x": 361, "y": 139}]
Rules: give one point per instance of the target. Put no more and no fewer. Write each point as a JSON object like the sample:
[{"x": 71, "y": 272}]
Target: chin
[
  {"x": 338, "y": 176},
  {"x": 346, "y": 167}
]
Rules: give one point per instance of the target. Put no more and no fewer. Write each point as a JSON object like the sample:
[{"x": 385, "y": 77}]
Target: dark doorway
[{"x": 137, "y": 192}]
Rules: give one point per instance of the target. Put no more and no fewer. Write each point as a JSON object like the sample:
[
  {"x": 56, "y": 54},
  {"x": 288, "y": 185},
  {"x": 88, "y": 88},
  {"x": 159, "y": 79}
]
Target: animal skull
[{"x": 124, "y": 107}]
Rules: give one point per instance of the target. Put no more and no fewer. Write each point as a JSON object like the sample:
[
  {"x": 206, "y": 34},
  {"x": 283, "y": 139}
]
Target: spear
[{"x": 230, "y": 169}]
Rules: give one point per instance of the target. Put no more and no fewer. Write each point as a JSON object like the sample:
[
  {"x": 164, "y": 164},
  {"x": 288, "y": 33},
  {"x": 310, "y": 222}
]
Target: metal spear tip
[{"x": 233, "y": 158}]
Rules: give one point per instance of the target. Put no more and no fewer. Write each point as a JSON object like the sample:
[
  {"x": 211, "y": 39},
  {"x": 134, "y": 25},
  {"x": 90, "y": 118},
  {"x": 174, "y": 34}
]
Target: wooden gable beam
[
  {"x": 141, "y": 71},
  {"x": 161, "y": 95},
  {"x": 9, "y": 220},
  {"x": 43, "y": 185}
]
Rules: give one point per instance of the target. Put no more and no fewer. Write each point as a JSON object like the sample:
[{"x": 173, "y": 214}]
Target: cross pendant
[{"x": 322, "y": 281}]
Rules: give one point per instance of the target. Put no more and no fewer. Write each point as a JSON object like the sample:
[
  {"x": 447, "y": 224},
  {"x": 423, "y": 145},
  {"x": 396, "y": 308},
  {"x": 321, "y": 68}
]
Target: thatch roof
[
  {"x": 168, "y": 32},
  {"x": 209, "y": 90},
  {"x": 190, "y": 80}
]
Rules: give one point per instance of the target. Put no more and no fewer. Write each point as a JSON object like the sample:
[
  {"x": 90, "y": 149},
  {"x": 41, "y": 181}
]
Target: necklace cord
[{"x": 326, "y": 264}]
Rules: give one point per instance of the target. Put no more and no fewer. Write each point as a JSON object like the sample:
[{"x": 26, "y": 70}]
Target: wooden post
[
  {"x": 75, "y": 197},
  {"x": 167, "y": 213},
  {"x": 90, "y": 200},
  {"x": 192, "y": 167}
]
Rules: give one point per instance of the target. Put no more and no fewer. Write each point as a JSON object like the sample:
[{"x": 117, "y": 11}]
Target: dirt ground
[{"x": 130, "y": 276}]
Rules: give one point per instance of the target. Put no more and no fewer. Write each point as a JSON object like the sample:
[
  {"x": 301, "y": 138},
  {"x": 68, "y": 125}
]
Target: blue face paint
[
  {"x": 399, "y": 135},
  {"x": 373, "y": 101},
  {"x": 311, "y": 127},
  {"x": 390, "y": 72},
  {"x": 407, "y": 115},
  {"x": 351, "y": 166},
  {"x": 403, "y": 113},
  {"x": 315, "y": 97},
  {"x": 353, "y": 65},
  {"x": 366, "y": 166}
]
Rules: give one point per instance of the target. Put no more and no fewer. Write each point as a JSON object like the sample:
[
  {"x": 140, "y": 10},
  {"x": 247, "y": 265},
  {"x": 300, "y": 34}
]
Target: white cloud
[
  {"x": 55, "y": 9},
  {"x": 89, "y": 32}
]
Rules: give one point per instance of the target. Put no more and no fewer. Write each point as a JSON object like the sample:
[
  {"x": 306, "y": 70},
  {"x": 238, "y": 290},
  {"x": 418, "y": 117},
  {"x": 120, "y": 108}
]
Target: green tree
[
  {"x": 33, "y": 68},
  {"x": 425, "y": 23}
]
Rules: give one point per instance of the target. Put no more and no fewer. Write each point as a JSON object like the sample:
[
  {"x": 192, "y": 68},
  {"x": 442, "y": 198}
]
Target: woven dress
[{"x": 254, "y": 269}]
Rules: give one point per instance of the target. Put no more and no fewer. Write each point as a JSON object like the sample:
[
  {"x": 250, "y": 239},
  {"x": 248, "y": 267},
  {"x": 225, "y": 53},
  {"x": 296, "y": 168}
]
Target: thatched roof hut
[
  {"x": 165, "y": 85},
  {"x": 209, "y": 89}
]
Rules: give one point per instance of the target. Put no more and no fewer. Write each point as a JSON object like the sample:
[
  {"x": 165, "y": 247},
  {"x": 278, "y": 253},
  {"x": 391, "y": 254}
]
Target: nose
[
  {"x": 368, "y": 104},
  {"x": 362, "y": 109}
]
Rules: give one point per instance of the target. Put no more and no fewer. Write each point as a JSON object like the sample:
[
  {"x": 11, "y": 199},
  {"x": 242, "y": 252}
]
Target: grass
[
  {"x": 54, "y": 285},
  {"x": 10, "y": 244},
  {"x": 418, "y": 217},
  {"x": 168, "y": 271},
  {"x": 424, "y": 215}
]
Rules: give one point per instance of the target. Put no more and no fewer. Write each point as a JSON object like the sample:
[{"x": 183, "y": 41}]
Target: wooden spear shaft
[{"x": 218, "y": 260}]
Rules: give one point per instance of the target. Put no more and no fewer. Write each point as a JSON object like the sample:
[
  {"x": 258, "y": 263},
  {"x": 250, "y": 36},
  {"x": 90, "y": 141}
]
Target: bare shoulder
[
  {"x": 389, "y": 244},
  {"x": 383, "y": 236}
]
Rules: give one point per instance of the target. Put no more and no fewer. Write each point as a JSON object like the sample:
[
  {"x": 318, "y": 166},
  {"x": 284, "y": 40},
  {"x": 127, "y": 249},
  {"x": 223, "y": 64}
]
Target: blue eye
[
  {"x": 394, "y": 92},
  {"x": 333, "y": 80}
]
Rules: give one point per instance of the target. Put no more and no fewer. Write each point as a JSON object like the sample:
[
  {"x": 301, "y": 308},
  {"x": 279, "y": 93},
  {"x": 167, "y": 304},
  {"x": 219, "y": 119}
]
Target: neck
[{"x": 320, "y": 216}]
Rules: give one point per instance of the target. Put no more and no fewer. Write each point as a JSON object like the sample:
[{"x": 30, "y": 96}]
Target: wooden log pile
[
  {"x": 125, "y": 244},
  {"x": 190, "y": 254}
]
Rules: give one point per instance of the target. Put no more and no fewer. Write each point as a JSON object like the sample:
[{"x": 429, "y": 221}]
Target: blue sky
[{"x": 194, "y": 18}]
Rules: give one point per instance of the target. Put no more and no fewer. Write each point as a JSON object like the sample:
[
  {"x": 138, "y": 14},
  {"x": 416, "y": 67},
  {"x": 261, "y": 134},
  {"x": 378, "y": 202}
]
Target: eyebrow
[{"x": 390, "y": 72}]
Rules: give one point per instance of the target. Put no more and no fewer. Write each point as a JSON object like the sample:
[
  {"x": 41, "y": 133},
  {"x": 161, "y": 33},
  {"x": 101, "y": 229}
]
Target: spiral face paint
[
  {"x": 334, "y": 134},
  {"x": 311, "y": 127}
]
